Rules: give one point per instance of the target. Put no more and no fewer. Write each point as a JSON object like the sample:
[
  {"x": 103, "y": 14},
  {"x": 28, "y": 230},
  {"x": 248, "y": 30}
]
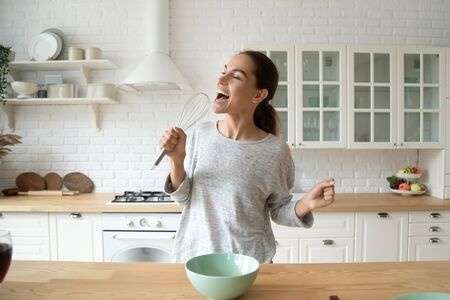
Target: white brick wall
[{"x": 204, "y": 34}]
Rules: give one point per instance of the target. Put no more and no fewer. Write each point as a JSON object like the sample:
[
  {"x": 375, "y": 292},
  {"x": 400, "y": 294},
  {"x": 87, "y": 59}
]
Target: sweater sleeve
[
  {"x": 281, "y": 206},
  {"x": 182, "y": 194}
]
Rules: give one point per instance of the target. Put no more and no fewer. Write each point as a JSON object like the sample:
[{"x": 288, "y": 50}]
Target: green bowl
[
  {"x": 423, "y": 296},
  {"x": 222, "y": 275}
]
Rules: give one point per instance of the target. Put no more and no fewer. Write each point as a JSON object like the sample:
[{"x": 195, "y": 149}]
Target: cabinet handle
[
  {"x": 395, "y": 144},
  {"x": 402, "y": 144},
  {"x": 327, "y": 242},
  {"x": 435, "y": 215},
  {"x": 299, "y": 144},
  {"x": 1, "y": 215},
  {"x": 277, "y": 244},
  {"x": 383, "y": 215},
  {"x": 434, "y": 240},
  {"x": 435, "y": 229},
  {"x": 76, "y": 215}
]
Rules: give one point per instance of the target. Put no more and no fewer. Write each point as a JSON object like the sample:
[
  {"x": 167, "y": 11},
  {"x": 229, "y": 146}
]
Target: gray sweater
[{"x": 231, "y": 189}]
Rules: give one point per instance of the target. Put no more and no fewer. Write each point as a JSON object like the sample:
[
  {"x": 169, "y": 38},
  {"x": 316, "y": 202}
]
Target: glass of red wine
[{"x": 5, "y": 253}]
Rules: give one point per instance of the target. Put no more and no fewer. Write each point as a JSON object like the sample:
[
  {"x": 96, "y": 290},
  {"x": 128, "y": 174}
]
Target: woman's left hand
[{"x": 321, "y": 195}]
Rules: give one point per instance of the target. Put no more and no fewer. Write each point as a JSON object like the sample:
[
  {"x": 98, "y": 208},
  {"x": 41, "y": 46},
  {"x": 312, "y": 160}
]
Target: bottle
[{"x": 42, "y": 92}]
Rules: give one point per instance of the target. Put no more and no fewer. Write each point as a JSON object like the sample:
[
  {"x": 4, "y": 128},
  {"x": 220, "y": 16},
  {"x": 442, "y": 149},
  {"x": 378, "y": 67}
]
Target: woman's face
[{"x": 236, "y": 87}]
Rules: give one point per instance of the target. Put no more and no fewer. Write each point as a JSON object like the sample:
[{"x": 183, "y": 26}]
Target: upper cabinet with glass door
[
  {"x": 422, "y": 96},
  {"x": 284, "y": 99},
  {"x": 320, "y": 113},
  {"x": 372, "y": 107}
]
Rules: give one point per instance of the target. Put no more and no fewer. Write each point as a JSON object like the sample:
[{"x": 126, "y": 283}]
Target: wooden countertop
[
  {"x": 75, "y": 280},
  {"x": 100, "y": 202}
]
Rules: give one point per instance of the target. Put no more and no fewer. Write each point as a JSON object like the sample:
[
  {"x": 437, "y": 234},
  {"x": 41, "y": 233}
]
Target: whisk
[{"x": 193, "y": 110}]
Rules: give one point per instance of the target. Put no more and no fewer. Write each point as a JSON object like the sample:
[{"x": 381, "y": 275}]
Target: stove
[{"x": 142, "y": 197}]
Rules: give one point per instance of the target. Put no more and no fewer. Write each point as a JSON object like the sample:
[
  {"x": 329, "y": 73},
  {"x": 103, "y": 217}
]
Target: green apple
[{"x": 416, "y": 187}]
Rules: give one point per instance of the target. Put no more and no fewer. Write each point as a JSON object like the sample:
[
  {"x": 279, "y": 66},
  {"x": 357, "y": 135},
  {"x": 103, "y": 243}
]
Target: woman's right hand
[{"x": 174, "y": 142}]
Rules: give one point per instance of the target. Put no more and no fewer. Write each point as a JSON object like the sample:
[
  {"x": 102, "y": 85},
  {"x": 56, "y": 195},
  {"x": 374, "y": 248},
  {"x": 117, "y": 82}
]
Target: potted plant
[
  {"x": 8, "y": 140},
  {"x": 6, "y": 55}
]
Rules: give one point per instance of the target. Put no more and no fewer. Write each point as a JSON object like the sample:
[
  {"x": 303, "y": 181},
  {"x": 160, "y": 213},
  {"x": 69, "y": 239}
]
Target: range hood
[{"x": 156, "y": 72}]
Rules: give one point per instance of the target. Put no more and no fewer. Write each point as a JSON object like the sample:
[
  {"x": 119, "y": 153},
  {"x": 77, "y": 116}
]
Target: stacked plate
[{"x": 47, "y": 45}]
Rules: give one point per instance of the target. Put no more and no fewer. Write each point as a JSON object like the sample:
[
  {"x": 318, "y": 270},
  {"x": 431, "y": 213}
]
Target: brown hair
[{"x": 266, "y": 73}]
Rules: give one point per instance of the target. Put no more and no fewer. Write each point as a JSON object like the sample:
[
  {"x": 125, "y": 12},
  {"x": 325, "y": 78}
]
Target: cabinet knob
[
  {"x": 159, "y": 224},
  {"x": 395, "y": 144},
  {"x": 383, "y": 215},
  {"x": 173, "y": 236},
  {"x": 327, "y": 242},
  {"x": 435, "y": 215},
  {"x": 435, "y": 229},
  {"x": 76, "y": 215},
  {"x": 130, "y": 224},
  {"x": 143, "y": 222},
  {"x": 276, "y": 243},
  {"x": 434, "y": 240},
  {"x": 1, "y": 215},
  {"x": 402, "y": 144},
  {"x": 299, "y": 144}
]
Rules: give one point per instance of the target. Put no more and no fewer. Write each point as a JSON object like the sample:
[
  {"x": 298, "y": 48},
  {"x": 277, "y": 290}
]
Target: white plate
[
  {"x": 61, "y": 36},
  {"x": 408, "y": 176},
  {"x": 408, "y": 193},
  {"x": 45, "y": 46}
]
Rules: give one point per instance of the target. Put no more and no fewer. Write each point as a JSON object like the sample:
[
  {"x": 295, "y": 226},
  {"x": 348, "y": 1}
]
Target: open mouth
[{"x": 222, "y": 98}]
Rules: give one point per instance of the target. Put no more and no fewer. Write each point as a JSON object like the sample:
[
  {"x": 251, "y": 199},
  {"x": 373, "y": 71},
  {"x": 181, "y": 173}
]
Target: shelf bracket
[
  {"x": 8, "y": 112},
  {"x": 96, "y": 115},
  {"x": 85, "y": 72}
]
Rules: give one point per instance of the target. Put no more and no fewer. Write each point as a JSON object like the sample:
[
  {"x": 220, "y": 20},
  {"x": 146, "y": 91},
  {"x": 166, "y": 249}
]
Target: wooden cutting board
[
  {"x": 30, "y": 181},
  {"x": 53, "y": 181},
  {"x": 77, "y": 181}
]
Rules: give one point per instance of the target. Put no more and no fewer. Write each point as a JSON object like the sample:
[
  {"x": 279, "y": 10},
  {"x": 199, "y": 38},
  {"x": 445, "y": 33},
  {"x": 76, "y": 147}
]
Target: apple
[
  {"x": 404, "y": 187},
  {"x": 415, "y": 187}
]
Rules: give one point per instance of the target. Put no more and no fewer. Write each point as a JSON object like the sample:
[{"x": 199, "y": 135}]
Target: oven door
[{"x": 129, "y": 246}]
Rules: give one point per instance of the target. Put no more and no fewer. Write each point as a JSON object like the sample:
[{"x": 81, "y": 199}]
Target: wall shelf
[{"x": 7, "y": 107}]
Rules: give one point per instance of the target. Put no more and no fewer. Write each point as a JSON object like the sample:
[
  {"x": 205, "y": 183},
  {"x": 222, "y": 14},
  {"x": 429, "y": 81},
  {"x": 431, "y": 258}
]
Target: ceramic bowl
[
  {"x": 222, "y": 275},
  {"x": 24, "y": 89},
  {"x": 423, "y": 296}
]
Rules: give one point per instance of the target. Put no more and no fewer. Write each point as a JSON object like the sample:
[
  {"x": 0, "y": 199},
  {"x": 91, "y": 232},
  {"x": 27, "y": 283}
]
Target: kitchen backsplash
[{"x": 204, "y": 34}]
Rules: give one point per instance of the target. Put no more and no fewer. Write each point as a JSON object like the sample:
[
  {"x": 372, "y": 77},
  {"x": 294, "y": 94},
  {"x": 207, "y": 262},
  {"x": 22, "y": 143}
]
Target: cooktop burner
[{"x": 142, "y": 197}]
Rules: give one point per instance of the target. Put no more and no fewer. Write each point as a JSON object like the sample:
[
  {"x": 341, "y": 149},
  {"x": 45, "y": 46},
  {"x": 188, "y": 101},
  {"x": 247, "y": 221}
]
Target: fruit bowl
[
  {"x": 408, "y": 193},
  {"x": 24, "y": 89},
  {"x": 408, "y": 176}
]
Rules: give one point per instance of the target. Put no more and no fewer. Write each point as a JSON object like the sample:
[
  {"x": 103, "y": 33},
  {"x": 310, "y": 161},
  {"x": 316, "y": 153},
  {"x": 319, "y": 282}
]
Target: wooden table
[{"x": 98, "y": 281}]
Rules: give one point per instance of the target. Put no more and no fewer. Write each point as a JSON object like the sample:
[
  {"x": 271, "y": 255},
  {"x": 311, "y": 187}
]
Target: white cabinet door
[
  {"x": 332, "y": 250},
  {"x": 421, "y": 97},
  {"x": 78, "y": 236},
  {"x": 284, "y": 98},
  {"x": 29, "y": 233},
  {"x": 429, "y": 248},
  {"x": 447, "y": 120},
  {"x": 372, "y": 97},
  {"x": 287, "y": 251},
  {"x": 381, "y": 236},
  {"x": 321, "y": 96}
]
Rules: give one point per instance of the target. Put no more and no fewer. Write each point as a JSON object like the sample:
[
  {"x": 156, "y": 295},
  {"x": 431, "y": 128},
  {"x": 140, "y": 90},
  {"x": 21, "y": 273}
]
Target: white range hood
[{"x": 157, "y": 73}]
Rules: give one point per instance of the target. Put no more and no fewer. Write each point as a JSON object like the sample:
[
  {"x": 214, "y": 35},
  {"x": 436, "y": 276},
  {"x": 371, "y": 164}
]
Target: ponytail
[{"x": 265, "y": 118}]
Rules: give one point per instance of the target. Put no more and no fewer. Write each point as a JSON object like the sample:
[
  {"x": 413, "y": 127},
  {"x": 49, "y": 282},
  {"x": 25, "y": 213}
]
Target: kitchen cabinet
[
  {"x": 327, "y": 250},
  {"x": 372, "y": 97},
  {"x": 287, "y": 251},
  {"x": 284, "y": 99},
  {"x": 429, "y": 248},
  {"x": 29, "y": 234},
  {"x": 76, "y": 236},
  {"x": 422, "y": 97},
  {"x": 381, "y": 236},
  {"x": 321, "y": 97}
]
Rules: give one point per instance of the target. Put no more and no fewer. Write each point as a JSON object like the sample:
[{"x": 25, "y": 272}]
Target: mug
[
  {"x": 75, "y": 53},
  {"x": 92, "y": 53}
]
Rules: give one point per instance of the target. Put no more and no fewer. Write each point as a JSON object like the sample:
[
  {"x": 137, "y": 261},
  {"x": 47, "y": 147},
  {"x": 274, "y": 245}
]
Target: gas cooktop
[{"x": 142, "y": 197}]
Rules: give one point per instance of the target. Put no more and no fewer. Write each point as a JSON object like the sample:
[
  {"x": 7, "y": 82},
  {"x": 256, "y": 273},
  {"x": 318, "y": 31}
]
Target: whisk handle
[{"x": 159, "y": 158}]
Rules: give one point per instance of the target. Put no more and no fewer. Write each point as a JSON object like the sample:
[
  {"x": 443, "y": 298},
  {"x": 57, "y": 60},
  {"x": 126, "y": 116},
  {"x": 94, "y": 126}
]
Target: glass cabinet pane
[
  {"x": 412, "y": 68},
  {"x": 330, "y": 95},
  {"x": 310, "y": 66},
  {"x": 431, "y": 97},
  {"x": 362, "y": 67},
  {"x": 331, "y": 126},
  {"x": 311, "y": 95},
  {"x": 362, "y": 127},
  {"x": 412, "y": 97},
  {"x": 362, "y": 96},
  {"x": 330, "y": 62},
  {"x": 281, "y": 97},
  {"x": 430, "y": 127},
  {"x": 283, "y": 124},
  {"x": 412, "y": 127},
  {"x": 431, "y": 68},
  {"x": 311, "y": 126},
  {"x": 381, "y": 70},
  {"x": 381, "y": 127},
  {"x": 381, "y": 97},
  {"x": 280, "y": 60}
]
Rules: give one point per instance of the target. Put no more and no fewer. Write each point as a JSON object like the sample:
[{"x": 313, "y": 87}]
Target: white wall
[{"x": 204, "y": 34}]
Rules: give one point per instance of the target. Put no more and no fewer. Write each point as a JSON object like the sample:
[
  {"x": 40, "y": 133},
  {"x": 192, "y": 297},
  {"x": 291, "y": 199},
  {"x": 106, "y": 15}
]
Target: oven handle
[{"x": 123, "y": 238}]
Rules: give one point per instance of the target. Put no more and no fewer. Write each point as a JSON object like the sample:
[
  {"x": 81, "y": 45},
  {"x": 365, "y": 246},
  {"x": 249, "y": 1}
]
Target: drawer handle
[
  {"x": 327, "y": 242},
  {"x": 435, "y": 229},
  {"x": 435, "y": 215},
  {"x": 434, "y": 240},
  {"x": 76, "y": 215},
  {"x": 383, "y": 215}
]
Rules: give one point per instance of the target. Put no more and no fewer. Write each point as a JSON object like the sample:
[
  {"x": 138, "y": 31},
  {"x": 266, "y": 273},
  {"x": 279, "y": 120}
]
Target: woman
[{"x": 239, "y": 173}]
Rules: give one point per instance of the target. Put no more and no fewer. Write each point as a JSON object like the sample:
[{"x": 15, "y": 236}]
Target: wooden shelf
[
  {"x": 62, "y": 65},
  {"x": 7, "y": 106}
]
